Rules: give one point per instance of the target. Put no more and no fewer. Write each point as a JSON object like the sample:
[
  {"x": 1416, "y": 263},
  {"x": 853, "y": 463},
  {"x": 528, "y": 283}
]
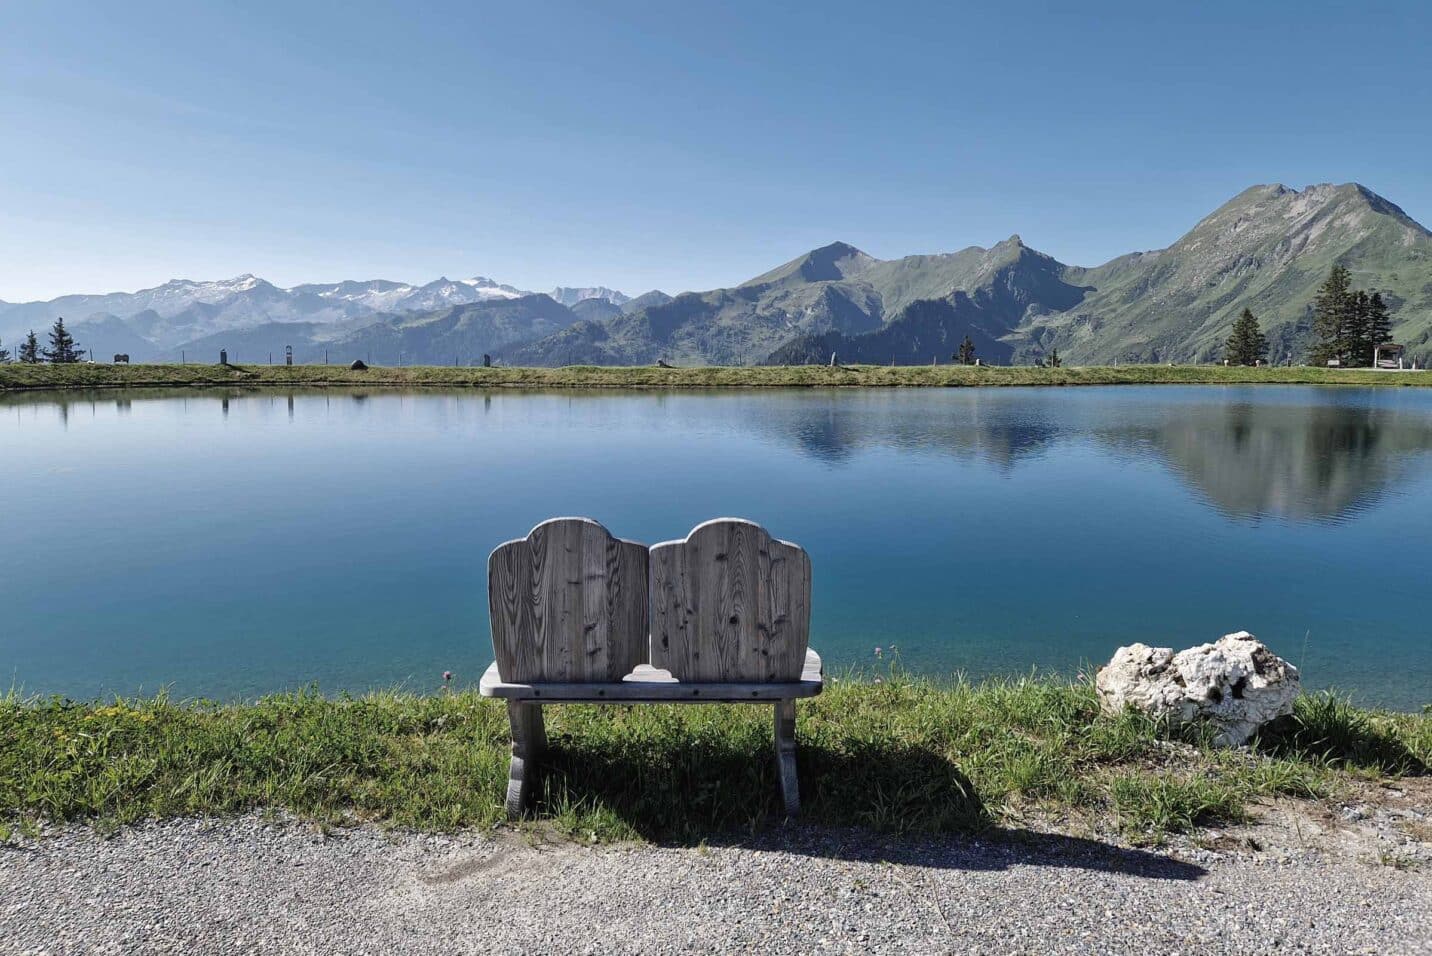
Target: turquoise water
[{"x": 230, "y": 546}]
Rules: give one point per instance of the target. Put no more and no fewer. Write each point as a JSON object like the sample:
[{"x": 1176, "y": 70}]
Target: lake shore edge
[{"x": 22, "y": 378}]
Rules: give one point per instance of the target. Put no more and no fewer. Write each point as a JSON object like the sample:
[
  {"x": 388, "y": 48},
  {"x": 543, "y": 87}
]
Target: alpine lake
[{"x": 227, "y": 544}]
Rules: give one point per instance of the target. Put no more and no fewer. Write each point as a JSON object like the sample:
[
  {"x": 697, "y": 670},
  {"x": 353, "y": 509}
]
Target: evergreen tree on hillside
[
  {"x": 63, "y": 350},
  {"x": 1359, "y": 332},
  {"x": 966, "y": 354},
  {"x": 1332, "y": 318},
  {"x": 1054, "y": 361},
  {"x": 30, "y": 349},
  {"x": 1379, "y": 321},
  {"x": 1247, "y": 345},
  {"x": 4, "y": 354}
]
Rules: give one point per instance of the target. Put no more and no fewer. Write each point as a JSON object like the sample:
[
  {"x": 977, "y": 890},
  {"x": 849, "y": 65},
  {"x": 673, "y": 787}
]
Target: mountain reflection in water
[{"x": 1246, "y": 459}]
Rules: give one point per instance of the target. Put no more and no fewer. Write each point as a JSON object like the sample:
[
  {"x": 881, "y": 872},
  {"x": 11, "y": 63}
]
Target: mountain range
[{"x": 1266, "y": 249}]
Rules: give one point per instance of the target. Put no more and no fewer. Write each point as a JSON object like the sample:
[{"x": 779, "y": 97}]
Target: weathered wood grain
[
  {"x": 730, "y": 603},
  {"x": 785, "y": 734},
  {"x": 529, "y": 740},
  {"x": 568, "y": 603}
]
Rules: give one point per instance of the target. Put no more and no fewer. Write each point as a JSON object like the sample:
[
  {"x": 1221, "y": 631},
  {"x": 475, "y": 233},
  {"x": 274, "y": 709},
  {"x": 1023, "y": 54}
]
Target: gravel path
[{"x": 247, "y": 885}]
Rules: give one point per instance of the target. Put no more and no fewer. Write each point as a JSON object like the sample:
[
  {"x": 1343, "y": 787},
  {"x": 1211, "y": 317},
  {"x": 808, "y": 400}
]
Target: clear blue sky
[{"x": 680, "y": 146}]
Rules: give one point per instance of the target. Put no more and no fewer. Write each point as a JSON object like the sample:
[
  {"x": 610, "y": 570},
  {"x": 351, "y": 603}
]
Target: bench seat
[{"x": 652, "y": 685}]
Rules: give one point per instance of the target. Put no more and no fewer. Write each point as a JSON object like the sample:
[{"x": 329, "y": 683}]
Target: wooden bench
[{"x": 579, "y": 616}]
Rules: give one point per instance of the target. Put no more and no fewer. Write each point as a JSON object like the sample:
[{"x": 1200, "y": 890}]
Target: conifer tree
[
  {"x": 4, "y": 354},
  {"x": 1054, "y": 361},
  {"x": 1247, "y": 345},
  {"x": 63, "y": 350},
  {"x": 1358, "y": 331},
  {"x": 1332, "y": 318},
  {"x": 966, "y": 354},
  {"x": 30, "y": 349},
  {"x": 1379, "y": 322}
]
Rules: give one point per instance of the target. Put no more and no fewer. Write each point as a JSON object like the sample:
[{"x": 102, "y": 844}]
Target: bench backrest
[
  {"x": 568, "y": 603},
  {"x": 730, "y": 603}
]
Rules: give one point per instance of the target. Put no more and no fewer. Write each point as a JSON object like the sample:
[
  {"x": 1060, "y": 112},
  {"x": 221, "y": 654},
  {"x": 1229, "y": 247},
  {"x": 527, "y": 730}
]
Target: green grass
[
  {"x": 29, "y": 377},
  {"x": 902, "y": 755}
]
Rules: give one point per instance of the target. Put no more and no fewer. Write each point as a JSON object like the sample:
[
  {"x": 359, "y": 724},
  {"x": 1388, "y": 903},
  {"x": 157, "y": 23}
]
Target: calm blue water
[{"x": 232, "y": 546}]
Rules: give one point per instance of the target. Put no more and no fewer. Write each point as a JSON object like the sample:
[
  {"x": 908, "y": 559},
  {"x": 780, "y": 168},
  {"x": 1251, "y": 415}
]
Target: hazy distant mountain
[
  {"x": 247, "y": 312},
  {"x": 183, "y": 310},
  {"x": 570, "y": 296},
  {"x": 105, "y": 336},
  {"x": 1267, "y": 249},
  {"x": 380, "y": 295},
  {"x": 594, "y": 310},
  {"x": 654, "y": 297},
  {"x": 257, "y": 345},
  {"x": 461, "y": 334}
]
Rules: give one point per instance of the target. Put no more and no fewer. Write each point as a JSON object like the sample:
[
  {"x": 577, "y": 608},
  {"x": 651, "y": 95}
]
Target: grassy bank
[
  {"x": 27, "y": 377},
  {"x": 905, "y": 754}
]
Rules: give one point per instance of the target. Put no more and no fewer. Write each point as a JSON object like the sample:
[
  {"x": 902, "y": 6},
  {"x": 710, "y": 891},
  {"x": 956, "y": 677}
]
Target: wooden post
[
  {"x": 529, "y": 739},
  {"x": 785, "y": 727}
]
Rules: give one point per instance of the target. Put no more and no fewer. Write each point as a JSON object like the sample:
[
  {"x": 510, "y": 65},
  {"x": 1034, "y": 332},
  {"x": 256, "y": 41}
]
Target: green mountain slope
[
  {"x": 817, "y": 292},
  {"x": 981, "y": 293},
  {"x": 1267, "y": 249},
  {"x": 834, "y": 294}
]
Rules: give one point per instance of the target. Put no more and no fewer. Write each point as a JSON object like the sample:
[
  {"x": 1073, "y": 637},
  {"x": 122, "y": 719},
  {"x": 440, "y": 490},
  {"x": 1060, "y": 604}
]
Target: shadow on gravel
[
  {"x": 868, "y": 801},
  {"x": 992, "y": 850}
]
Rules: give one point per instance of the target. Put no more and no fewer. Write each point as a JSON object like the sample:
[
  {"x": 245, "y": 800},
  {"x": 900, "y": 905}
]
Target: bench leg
[
  {"x": 786, "y": 755},
  {"x": 529, "y": 739}
]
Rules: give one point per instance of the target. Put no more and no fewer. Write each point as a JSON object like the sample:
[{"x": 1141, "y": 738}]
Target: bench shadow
[
  {"x": 860, "y": 802},
  {"x": 994, "y": 849}
]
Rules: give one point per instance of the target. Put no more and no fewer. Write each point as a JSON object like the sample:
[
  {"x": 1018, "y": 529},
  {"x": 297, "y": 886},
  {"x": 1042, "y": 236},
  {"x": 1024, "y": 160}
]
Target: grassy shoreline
[
  {"x": 15, "y": 377},
  {"x": 903, "y": 754}
]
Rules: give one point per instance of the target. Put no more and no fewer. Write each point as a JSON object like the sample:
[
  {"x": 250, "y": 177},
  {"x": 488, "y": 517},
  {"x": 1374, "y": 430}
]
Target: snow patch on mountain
[{"x": 571, "y": 295}]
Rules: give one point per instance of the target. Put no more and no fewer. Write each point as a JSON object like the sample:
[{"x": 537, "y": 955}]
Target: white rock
[{"x": 1235, "y": 683}]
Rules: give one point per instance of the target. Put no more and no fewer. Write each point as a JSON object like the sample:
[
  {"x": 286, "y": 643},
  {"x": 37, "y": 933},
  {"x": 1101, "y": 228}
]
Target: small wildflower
[
  {"x": 877, "y": 652},
  {"x": 447, "y": 675},
  {"x": 879, "y": 680}
]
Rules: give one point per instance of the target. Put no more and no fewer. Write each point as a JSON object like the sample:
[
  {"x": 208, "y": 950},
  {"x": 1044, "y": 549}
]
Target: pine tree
[
  {"x": 1359, "y": 335},
  {"x": 1379, "y": 322},
  {"x": 30, "y": 349},
  {"x": 63, "y": 350},
  {"x": 1247, "y": 345},
  {"x": 1054, "y": 361},
  {"x": 966, "y": 354},
  {"x": 4, "y": 354},
  {"x": 1332, "y": 317}
]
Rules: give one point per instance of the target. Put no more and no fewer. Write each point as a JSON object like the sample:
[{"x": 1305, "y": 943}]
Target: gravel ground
[{"x": 257, "y": 885}]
